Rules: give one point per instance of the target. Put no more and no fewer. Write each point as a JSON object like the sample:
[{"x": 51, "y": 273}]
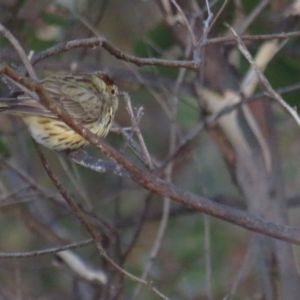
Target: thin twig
[
  {"x": 74, "y": 179},
  {"x": 15, "y": 43},
  {"x": 90, "y": 228},
  {"x": 48, "y": 251},
  {"x": 129, "y": 141},
  {"x": 263, "y": 37},
  {"x": 213, "y": 118},
  {"x": 156, "y": 184},
  {"x": 73, "y": 261},
  {"x": 202, "y": 41},
  {"x": 135, "y": 126},
  {"x": 209, "y": 16},
  {"x": 185, "y": 20},
  {"x": 264, "y": 81},
  {"x": 29, "y": 180},
  {"x": 168, "y": 175}
]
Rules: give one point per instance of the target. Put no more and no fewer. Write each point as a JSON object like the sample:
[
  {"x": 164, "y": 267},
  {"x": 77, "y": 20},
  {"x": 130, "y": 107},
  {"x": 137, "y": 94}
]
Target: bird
[{"x": 90, "y": 99}]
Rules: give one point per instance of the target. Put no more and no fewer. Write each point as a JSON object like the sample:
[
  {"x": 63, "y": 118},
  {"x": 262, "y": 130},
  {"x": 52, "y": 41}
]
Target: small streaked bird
[{"x": 91, "y": 99}]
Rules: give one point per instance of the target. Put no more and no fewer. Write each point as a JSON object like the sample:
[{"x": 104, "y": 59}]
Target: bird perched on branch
[{"x": 91, "y": 99}]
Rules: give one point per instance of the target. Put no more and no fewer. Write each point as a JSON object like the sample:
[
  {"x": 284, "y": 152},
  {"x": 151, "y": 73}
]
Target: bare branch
[
  {"x": 15, "y": 43},
  {"x": 156, "y": 184},
  {"x": 79, "y": 213},
  {"x": 53, "y": 250},
  {"x": 264, "y": 37},
  {"x": 135, "y": 121},
  {"x": 102, "y": 42},
  {"x": 186, "y": 22},
  {"x": 265, "y": 82}
]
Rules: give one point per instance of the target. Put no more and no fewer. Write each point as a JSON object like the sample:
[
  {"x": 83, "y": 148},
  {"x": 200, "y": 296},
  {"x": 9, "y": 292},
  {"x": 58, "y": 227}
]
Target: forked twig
[
  {"x": 158, "y": 185},
  {"x": 102, "y": 42},
  {"x": 134, "y": 121},
  {"x": 80, "y": 214},
  {"x": 264, "y": 81}
]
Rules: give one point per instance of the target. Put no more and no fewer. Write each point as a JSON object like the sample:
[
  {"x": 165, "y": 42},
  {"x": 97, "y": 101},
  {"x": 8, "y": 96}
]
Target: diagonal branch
[
  {"x": 154, "y": 183},
  {"x": 264, "y": 81}
]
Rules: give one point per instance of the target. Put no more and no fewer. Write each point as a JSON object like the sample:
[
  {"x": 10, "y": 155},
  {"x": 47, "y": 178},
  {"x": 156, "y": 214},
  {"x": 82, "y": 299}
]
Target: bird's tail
[
  {"x": 18, "y": 106},
  {"x": 8, "y": 104}
]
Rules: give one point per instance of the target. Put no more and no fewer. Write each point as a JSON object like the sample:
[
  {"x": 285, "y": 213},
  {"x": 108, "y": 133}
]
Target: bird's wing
[{"x": 73, "y": 96}]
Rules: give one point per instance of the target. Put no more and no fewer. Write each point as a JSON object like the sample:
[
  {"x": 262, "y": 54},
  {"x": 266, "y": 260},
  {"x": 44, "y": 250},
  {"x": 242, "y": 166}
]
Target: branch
[
  {"x": 159, "y": 186},
  {"x": 272, "y": 93},
  {"x": 15, "y": 43},
  {"x": 264, "y": 37},
  {"x": 46, "y": 251},
  {"x": 102, "y": 42},
  {"x": 80, "y": 214}
]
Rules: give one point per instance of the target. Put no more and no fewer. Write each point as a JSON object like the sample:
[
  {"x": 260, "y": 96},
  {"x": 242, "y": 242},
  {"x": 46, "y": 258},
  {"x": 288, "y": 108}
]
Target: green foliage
[
  {"x": 4, "y": 149},
  {"x": 156, "y": 40},
  {"x": 249, "y": 6},
  {"x": 114, "y": 205},
  {"x": 55, "y": 19},
  {"x": 188, "y": 112},
  {"x": 284, "y": 72},
  {"x": 37, "y": 44}
]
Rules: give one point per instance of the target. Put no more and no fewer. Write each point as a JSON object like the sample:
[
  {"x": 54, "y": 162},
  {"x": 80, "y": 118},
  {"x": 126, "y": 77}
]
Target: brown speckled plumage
[{"x": 91, "y": 99}]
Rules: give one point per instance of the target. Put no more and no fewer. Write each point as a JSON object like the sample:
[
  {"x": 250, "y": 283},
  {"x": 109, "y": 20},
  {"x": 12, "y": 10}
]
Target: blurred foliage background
[{"x": 200, "y": 257}]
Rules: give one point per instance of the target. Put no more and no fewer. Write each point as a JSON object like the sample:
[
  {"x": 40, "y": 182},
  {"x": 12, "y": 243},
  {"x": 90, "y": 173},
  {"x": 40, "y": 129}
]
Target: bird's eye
[{"x": 113, "y": 91}]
